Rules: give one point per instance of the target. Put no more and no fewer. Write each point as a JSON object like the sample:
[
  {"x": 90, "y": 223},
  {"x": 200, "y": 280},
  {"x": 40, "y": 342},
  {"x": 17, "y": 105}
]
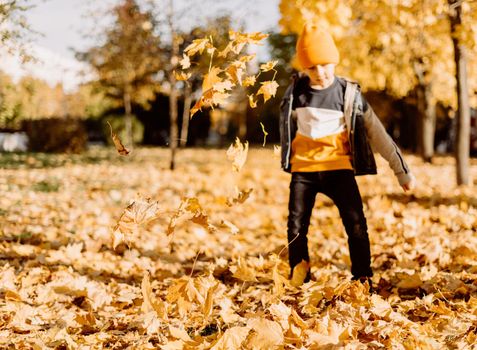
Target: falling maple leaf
[
  {"x": 211, "y": 78},
  {"x": 191, "y": 208},
  {"x": 139, "y": 213},
  {"x": 268, "y": 90},
  {"x": 265, "y": 67},
  {"x": 185, "y": 62},
  {"x": 264, "y": 134},
  {"x": 249, "y": 81},
  {"x": 117, "y": 143},
  {"x": 197, "y": 46},
  {"x": 181, "y": 76},
  {"x": 237, "y": 153},
  {"x": 240, "y": 197},
  {"x": 247, "y": 58},
  {"x": 252, "y": 103}
]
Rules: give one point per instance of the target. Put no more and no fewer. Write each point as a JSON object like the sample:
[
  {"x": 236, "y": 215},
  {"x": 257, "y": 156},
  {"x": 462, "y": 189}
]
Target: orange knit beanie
[{"x": 316, "y": 46}]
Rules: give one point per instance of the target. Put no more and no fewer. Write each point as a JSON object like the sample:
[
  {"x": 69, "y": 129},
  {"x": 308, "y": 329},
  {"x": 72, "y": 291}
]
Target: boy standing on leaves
[{"x": 327, "y": 130}]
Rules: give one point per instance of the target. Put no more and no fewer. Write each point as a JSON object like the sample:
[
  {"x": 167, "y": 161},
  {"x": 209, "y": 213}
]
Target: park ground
[{"x": 206, "y": 264}]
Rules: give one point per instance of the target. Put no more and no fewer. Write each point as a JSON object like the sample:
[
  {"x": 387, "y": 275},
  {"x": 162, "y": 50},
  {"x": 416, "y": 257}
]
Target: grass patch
[{"x": 46, "y": 186}]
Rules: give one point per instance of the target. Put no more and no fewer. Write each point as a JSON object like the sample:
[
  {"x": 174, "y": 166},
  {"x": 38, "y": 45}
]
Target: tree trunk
[
  {"x": 427, "y": 121},
  {"x": 173, "y": 94},
  {"x": 462, "y": 142},
  {"x": 185, "y": 115},
  {"x": 128, "y": 117}
]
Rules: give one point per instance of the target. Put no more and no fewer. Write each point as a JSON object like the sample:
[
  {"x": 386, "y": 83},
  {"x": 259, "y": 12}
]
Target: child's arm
[{"x": 383, "y": 143}]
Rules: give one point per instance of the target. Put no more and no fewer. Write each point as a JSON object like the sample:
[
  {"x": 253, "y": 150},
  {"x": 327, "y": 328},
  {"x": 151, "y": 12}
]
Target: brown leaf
[
  {"x": 240, "y": 197},
  {"x": 117, "y": 143}
]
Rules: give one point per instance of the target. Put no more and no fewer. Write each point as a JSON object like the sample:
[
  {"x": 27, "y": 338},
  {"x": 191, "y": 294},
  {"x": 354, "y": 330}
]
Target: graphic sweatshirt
[{"x": 321, "y": 141}]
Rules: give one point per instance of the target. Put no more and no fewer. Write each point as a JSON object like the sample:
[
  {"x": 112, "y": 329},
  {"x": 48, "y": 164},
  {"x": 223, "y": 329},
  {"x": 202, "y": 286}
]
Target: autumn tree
[
  {"x": 15, "y": 31},
  {"x": 460, "y": 42},
  {"x": 127, "y": 62}
]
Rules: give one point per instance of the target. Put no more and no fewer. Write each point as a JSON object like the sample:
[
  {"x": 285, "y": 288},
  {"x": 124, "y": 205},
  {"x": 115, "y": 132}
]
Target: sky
[{"x": 63, "y": 24}]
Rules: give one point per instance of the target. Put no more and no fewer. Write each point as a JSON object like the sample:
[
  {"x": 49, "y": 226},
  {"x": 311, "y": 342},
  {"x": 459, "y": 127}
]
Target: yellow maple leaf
[
  {"x": 191, "y": 208},
  {"x": 237, "y": 153},
  {"x": 253, "y": 104},
  {"x": 211, "y": 78},
  {"x": 268, "y": 90},
  {"x": 223, "y": 85},
  {"x": 181, "y": 76},
  {"x": 235, "y": 72},
  {"x": 198, "y": 45},
  {"x": 139, "y": 213},
  {"x": 268, "y": 66},
  {"x": 218, "y": 98},
  {"x": 185, "y": 61},
  {"x": 249, "y": 81},
  {"x": 247, "y": 58}
]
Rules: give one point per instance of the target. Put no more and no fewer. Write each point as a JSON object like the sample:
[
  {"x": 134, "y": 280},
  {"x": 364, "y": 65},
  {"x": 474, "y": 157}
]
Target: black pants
[{"x": 341, "y": 187}]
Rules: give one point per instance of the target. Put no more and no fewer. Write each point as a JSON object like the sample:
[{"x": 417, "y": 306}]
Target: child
[{"x": 326, "y": 130}]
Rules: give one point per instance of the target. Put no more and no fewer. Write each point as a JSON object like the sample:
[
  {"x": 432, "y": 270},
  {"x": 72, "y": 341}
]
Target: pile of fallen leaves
[{"x": 114, "y": 254}]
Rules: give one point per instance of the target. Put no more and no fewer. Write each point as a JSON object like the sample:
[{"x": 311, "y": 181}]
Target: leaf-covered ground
[{"x": 207, "y": 262}]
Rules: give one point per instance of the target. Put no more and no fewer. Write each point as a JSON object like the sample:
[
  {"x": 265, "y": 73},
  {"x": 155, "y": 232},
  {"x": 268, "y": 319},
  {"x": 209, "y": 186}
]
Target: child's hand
[{"x": 410, "y": 184}]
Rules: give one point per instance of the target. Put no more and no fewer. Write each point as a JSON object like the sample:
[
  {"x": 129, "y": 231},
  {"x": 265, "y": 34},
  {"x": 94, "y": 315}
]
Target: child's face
[{"x": 321, "y": 74}]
